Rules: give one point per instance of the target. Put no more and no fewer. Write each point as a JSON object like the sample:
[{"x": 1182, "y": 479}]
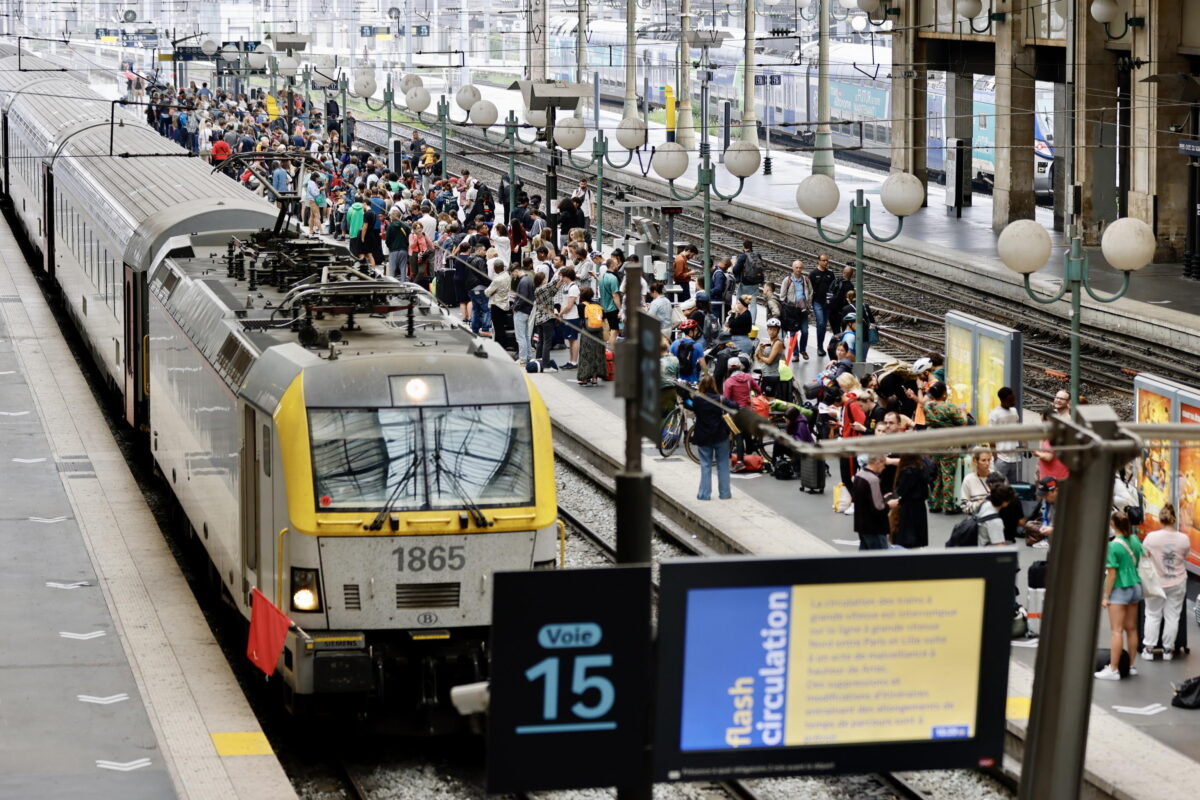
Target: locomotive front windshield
[{"x": 418, "y": 459}]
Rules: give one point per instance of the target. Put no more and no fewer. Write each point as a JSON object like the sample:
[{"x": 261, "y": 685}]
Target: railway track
[{"x": 1109, "y": 360}]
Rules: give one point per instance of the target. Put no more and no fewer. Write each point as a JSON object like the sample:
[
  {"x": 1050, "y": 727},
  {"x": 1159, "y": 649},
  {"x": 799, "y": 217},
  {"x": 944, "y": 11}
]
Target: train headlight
[
  {"x": 417, "y": 390},
  {"x": 306, "y": 589}
]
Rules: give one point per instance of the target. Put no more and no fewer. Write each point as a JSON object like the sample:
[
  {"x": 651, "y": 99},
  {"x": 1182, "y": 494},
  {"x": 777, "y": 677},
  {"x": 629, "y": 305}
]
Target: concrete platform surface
[
  {"x": 1141, "y": 755},
  {"x": 111, "y": 684}
]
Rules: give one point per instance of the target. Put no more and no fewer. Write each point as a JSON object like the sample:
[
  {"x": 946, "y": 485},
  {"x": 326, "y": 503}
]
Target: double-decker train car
[{"x": 336, "y": 440}]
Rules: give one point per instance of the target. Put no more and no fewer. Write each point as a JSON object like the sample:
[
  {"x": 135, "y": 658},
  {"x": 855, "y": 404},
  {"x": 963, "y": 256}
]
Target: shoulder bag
[{"x": 1151, "y": 585}]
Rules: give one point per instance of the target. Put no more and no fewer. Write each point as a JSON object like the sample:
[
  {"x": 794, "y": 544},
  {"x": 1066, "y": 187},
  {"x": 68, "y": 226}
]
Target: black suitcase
[
  {"x": 1181, "y": 639},
  {"x": 446, "y": 294},
  {"x": 1037, "y": 575},
  {"x": 812, "y": 474}
]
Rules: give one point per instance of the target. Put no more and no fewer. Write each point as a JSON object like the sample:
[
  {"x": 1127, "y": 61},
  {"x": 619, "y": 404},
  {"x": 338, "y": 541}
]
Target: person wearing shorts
[
  {"x": 569, "y": 320},
  {"x": 1122, "y": 593}
]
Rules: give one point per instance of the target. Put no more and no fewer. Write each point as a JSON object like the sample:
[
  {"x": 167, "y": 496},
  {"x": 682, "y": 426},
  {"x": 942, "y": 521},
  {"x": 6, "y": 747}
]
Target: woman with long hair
[{"x": 1122, "y": 593}]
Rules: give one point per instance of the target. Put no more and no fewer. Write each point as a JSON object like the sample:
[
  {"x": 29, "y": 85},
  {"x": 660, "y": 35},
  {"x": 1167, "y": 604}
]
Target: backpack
[
  {"x": 594, "y": 314},
  {"x": 719, "y": 279},
  {"x": 966, "y": 532},
  {"x": 684, "y": 353},
  {"x": 752, "y": 272},
  {"x": 1187, "y": 694},
  {"x": 711, "y": 329},
  {"x": 836, "y": 289}
]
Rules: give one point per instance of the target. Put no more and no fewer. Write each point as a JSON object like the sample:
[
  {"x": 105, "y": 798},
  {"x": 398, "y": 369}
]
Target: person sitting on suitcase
[{"x": 1039, "y": 526}]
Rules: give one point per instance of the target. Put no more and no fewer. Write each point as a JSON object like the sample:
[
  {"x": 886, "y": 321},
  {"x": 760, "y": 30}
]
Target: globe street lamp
[
  {"x": 468, "y": 98},
  {"x": 1024, "y": 246},
  {"x": 818, "y": 196},
  {"x": 631, "y": 135},
  {"x": 511, "y": 139}
]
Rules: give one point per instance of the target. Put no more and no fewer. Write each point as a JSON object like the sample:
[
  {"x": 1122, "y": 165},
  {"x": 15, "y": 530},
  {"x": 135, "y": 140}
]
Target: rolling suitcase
[
  {"x": 446, "y": 294},
  {"x": 1181, "y": 639},
  {"x": 812, "y": 474},
  {"x": 1035, "y": 601}
]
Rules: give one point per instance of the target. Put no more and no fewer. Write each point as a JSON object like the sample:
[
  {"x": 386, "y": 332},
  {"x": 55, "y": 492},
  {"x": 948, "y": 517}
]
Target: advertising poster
[
  {"x": 960, "y": 366},
  {"x": 830, "y": 664},
  {"x": 1187, "y": 487},
  {"x": 1155, "y": 474},
  {"x": 993, "y": 369}
]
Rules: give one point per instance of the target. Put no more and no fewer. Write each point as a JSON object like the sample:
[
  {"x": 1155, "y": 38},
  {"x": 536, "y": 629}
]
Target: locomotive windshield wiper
[
  {"x": 385, "y": 512},
  {"x": 477, "y": 515}
]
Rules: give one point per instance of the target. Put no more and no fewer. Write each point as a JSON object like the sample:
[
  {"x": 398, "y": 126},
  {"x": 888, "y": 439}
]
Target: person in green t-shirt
[
  {"x": 1122, "y": 593},
  {"x": 610, "y": 299}
]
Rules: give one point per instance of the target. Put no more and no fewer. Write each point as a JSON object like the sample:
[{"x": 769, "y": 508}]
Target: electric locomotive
[{"x": 335, "y": 439}]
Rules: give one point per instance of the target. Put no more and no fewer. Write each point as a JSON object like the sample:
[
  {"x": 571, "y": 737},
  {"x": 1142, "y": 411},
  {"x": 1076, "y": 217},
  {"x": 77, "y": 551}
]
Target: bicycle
[{"x": 676, "y": 425}]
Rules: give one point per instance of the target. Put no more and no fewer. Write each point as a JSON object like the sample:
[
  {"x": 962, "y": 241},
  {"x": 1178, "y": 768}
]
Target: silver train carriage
[{"x": 366, "y": 467}]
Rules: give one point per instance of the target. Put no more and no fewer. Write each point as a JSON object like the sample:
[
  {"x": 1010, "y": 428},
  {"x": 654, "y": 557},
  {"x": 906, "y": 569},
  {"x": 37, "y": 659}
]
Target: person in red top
[
  {"x": 1049, "y": 464},
  {"x": 852, "y": 421},
  {"x": 738, "y": 387},
  {"x": 221, "y": 151}
]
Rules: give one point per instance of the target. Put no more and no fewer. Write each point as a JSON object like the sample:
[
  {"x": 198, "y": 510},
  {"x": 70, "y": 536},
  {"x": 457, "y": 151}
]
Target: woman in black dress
[{"x": 912, "y": 489}]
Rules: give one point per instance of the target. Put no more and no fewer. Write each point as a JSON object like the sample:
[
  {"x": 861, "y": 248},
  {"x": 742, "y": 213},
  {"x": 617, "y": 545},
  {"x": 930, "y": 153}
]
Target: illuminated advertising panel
[
  {"x": 832, "y": 665},
  {"x": 960, "y": 365},
  {"x": 1154, "y": 405},
  {"x": 1187, "y": 485},
  {"x": 981, "y": 357}
]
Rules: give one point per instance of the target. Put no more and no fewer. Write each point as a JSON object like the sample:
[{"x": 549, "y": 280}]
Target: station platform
[
  {"x": 111, "y": 684},
  {"x": 1132, "y": 754},
  {"x": 1161, "y": 306}
]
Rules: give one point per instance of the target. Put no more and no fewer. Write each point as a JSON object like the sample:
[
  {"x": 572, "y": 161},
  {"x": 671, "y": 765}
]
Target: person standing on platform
[
  {"x": 1008, "y": 454},
  {"x": 397, "y": 242},
  {"x": 941, "y": 413},
  {"x": 1049, "y": 464},
  {"x": 871, "y": 505},
  {"x": 1122, "y": 593},
  {"x": 711, "y": 435},
  {"x": 795, "y": 297},
  {"x": 912, "y": 490},
  {"x": 835, "y": 304},
  {"x": 682, "y": 273},
  {"x": 522, "y": 309},
  {"x": 609, "y": 295},
  {"x": 499, "y": 293},
  {"x": 821, "y": 279},
  {"x": 749, "y": 272},
  {"x": 1168, "y": 550}
]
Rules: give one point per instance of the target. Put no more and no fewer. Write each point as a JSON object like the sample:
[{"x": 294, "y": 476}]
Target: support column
[
  {"x": 749, "y": 120},
  {"x": 685, "y": 120},
  {"x": 960, "y": 117},
  {"x": 910, "y": 105},
  {"x": 1096, "y": 123},
  {"x": 1158, "y": 177},
  {"x": 537, "y": 38},
  {"x": 1012, "y": 196},
  {"x": 1062, "y": 108}
]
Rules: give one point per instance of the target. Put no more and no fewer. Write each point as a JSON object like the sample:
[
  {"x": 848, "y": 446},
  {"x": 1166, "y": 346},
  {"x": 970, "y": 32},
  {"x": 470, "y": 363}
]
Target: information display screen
[{"x": 833, "y": 665}]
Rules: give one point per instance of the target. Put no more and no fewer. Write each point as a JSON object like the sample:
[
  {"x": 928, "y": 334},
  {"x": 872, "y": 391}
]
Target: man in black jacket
[
  {"x": 835, "y": 305},
  {"x": 822, "y": 278},
  {"x": 477, "y": 281},
  {"x": 871, "y": 505}
]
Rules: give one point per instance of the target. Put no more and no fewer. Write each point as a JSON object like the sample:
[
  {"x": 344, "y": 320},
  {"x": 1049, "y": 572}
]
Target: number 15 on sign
[{"x": 590, "y": 690}]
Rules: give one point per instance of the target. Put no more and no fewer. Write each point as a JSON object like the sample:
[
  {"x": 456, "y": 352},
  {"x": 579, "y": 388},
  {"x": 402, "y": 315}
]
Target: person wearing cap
[
  {"x": 769, "y": 355},
  {"x": 1039, "y": 525},
  {"x": 922, "y": 368}
]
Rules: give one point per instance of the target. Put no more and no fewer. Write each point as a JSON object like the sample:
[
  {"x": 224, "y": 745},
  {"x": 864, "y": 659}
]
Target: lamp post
[
  {"x": 1024, "y": 246},
  {"x": 511, "y": 139},
  {"x": 479, "y": 111},
  {"x": 631, "y": 135},
  {"x": 670, "y": 160},
  {"x": 818, "y": 196}
]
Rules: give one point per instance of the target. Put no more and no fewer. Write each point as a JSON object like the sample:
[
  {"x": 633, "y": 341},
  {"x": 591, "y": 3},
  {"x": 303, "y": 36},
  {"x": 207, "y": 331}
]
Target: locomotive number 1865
[{"x": 435, "y": 559}]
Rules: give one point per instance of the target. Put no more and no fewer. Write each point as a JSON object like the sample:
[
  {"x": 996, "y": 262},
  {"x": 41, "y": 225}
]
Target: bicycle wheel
[
  {"x": 692, "y": 451},
  {"x": 671, "y": 432}
]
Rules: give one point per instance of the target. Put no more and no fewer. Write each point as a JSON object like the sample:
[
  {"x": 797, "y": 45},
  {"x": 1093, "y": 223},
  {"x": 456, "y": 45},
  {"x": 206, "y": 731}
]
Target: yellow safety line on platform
[
  {"x": 246, "y": 743},
  {"x": 1017, "y": 707}
]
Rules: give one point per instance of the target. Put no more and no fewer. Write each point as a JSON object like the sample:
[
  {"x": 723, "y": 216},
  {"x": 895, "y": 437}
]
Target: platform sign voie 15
[
  {"x": 832, "y": 665},
  {"x": 570, "y": 679}
]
